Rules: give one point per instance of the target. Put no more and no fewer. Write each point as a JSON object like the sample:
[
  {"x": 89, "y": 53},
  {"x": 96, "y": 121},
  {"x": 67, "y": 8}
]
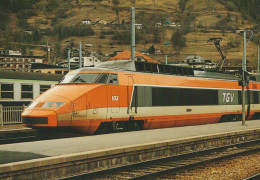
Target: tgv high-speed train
[{"x": 128, "y": 95}]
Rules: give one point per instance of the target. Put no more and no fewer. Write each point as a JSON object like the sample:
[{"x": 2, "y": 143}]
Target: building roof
[
  {"x": 21, "y": 56},
  {"x": 44, "y": 66},
  {"x": 126, "y": 55},
  {"x": 4, "y": 74}
]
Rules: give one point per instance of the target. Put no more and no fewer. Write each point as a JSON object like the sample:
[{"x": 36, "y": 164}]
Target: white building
[
  {"x": 14, "y": 53},
  {"x": 86, "y": 61},
  {"x": 86, "y": 21},
  {"x": 90, "y": 61}
]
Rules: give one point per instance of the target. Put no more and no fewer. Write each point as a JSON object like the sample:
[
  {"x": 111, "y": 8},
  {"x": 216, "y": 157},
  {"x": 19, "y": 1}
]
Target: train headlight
[{"x": 51, "y": 104}]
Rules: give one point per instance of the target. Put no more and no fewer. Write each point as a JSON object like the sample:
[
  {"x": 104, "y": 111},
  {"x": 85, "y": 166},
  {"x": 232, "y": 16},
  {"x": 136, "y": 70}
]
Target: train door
[
  {"x": 113, "y": 95},
  {"x": 131, "y": 94},
  {"x": 79, "y": 112}
]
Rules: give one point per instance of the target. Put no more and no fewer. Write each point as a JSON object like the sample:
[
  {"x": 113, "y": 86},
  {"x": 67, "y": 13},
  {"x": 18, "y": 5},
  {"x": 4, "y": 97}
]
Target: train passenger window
[
  {"x": 183, "y": 96},
  {"x": 44, "y": 88},
  {"x": 27, "y": 91},
  {"x": 58, "y": 72},
  {"x": 7, "y": 91},
  {"x": 113, "y": 79}
]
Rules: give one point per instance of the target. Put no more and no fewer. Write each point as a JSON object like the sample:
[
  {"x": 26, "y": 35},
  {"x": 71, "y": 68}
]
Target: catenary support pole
[
  {"x": 68, "y": 59},
  {"x": 80, "y": 55},
  {"x": 258, "y": 54},
  {"x": 243, "y": 79},
  {"x": 132, "y": 33},
  {"x": 1, "y": 115}
]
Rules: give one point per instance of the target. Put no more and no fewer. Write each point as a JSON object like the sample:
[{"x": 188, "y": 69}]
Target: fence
[{"x": 10, "y": 114}]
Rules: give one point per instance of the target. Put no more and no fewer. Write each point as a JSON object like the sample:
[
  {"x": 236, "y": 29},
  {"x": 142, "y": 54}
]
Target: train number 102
[{"x": 115, "y": 98}]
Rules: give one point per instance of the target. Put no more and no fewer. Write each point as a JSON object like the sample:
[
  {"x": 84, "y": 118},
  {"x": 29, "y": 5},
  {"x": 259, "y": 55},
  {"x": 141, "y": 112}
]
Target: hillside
[{"x": 60, "y": 24}]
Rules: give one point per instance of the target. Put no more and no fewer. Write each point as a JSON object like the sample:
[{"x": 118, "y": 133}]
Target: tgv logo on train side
[{"x": 228, "y": 97}]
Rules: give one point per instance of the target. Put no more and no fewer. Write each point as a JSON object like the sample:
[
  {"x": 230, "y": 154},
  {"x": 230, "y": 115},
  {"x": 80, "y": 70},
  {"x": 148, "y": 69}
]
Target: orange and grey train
[{"x": 128, "y": 95}]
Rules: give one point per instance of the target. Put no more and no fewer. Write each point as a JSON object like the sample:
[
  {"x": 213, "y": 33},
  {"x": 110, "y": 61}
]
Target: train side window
[
  {"x": 27, "y": 91},
  {"x": 7, "y": 91},
  {"x": 44, "y": 88},
  {"x": 113, "y": 79}
]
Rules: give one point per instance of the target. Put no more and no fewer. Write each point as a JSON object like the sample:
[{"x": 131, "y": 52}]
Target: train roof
[
  {"x": 29, "y": 76},
  {"x": 128, "y": 65}
]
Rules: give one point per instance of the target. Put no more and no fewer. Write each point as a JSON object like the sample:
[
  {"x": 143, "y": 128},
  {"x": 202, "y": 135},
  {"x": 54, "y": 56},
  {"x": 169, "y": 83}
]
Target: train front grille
[{"x": 35, "y": 120}]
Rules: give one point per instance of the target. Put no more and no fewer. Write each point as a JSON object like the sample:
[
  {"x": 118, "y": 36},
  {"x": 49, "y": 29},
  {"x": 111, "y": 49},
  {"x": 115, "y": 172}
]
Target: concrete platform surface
[{"x": 39, "y": 149}]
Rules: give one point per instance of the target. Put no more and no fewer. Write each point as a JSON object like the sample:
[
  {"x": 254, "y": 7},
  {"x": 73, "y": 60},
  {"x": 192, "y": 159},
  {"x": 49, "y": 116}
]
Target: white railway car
[{"x": 20, "y": 88}]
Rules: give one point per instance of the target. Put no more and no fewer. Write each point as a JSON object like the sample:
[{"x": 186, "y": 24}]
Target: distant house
[
  {"x": 86, "y": 62},
  {"x": 138, "y": 26},
  {"x": 172, "y": 24},
  {"x": 90, "y": 61},
  {"x": 102, "y": 22},
  {"x": 15, "y": 53},
  {"x": 158, "y": 24},
  {"x": 126, "y": 55},
  {"x": 158, "y": 51},
  {"x": 48, "y": 68},
  {"x": 18, "y": 62},
  {"x": 86, "y": 21},
  {"x": 167, "y": 22},
  {"x": 3, "y": 52},
  {"x": 28, "y": 31}
]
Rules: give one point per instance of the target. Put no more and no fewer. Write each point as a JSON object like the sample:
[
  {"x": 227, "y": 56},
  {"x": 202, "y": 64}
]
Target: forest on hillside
[
  {"x": 58, "y": 10},
  {"x": 249, "y": 8}
]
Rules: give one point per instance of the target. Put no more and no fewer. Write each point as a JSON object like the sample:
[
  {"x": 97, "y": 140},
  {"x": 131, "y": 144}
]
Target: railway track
[
  {"x": 17, "y": 135},
  {"x": 28, "y": 135},
  {"x": 160, "y": 167},
  {"x": 255, "y": 177}
]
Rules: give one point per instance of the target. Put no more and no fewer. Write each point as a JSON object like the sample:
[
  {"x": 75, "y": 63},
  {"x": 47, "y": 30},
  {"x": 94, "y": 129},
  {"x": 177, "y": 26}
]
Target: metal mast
[
  {"x": 80, "y": 55},
  {"x": 132, "y": 33}
]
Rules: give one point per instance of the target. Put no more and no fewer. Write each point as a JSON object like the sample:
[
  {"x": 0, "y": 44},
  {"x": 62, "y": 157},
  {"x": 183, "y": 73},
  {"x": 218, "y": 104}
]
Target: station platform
[
  {"x": 12, "y": 126},
  {"x": 64, "y": 147}
]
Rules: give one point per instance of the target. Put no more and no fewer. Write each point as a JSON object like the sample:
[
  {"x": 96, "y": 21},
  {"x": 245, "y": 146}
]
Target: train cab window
[
  {"x": 27, "y": 91},
  {"x": 44, "y": 88},
  {"x": 86, "y": 78},
  {"x": 102, "y": 79},
  {"x": 113, "y": 79},
  {"x": 7, "y": 91}
]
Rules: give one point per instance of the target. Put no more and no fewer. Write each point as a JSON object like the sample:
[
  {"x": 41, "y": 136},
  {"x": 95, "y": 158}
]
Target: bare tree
[
  {"x": 116, "y": 8},
  {"x": 154, "y": 1}
]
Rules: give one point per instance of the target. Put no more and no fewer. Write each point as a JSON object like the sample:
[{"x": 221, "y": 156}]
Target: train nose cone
[{"x": 40, "y": 118}]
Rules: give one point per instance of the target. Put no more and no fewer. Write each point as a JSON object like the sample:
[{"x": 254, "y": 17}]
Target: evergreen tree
[
  {"x": 36, "y": 35},
  {"x": 151, "y": 50},
  {"x": 178, "y": 41}
]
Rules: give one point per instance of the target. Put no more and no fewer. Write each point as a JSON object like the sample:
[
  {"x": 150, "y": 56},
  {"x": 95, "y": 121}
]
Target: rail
[
  {"x": 10, "y": 114},
  {"x": 171, "y": 165}
]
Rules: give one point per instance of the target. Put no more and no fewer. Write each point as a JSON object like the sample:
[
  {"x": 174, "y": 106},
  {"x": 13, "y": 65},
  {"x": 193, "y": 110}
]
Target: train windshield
[{"x": 85, "y": 78}]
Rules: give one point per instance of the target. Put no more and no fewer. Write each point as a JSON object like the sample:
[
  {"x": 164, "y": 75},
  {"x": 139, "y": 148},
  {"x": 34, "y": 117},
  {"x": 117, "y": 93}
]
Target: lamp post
[
  {"x": 166, "y": 56},
  {"x": 244, "y": 80}
]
